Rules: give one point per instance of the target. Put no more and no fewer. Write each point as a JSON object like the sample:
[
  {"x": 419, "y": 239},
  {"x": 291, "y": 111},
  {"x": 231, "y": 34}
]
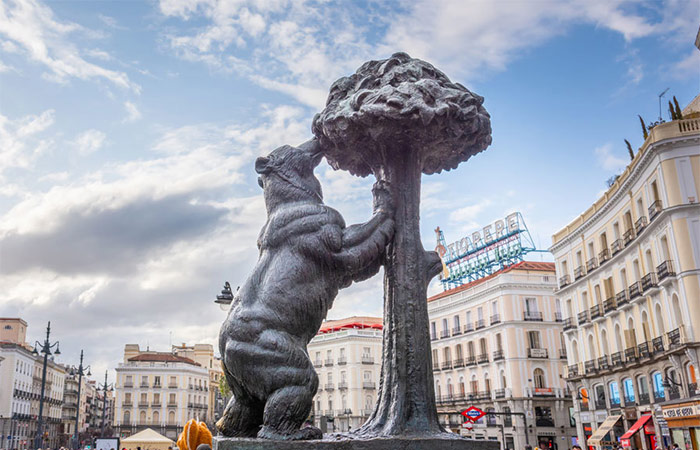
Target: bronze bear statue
[{"x": 306, "y": 254}]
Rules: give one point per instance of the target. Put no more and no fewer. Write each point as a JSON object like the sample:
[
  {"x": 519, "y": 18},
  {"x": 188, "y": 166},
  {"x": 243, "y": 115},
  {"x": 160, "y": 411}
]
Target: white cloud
[
  {"x": 607, "y": 160},
  {"x": 31, "y": 26},
  {"x": 687, "y": 67},
  {"x": 469, "y": 214},
  {"x": 20, "y": 143},
  {"x": 89, "y": 141},
  {"x": 132, "y": 112}
]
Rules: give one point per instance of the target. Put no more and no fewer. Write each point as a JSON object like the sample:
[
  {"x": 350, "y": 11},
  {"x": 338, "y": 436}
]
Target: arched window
[
  {"x": 368, "y": 403},
  {"x": 470, "y": 348},
  {"x": 142, "y": 417},
  {"x": 171, "y": 417},
  {"x": 643, "y": 389},
  {"x": 127, "y": 417},
  {"x": 599, "y": 396},
  {"x": 438, "y": 391},
  {"x": 618, "y": 338},
  {"x": 458, "y": 352},
  {"x": 614, "y": 393},
  {"x": 538, "y": 378},
  {"x": 677, "y": 315},
  {"x": 659, "y": 320},
  {"x": 156, "y": 417},
  {"x": 604, "y": 342},
  {"x": 483, "y": 347},
  {"x": 628, "y": 389},
  {"x": 657, "y": 382},
  {"x": 575, "y": 354},
  {"x": 450, "y": 390},
  {"x": 461, "y": 386},
  {"x": 591, "y": 347},
  {"x": 487, "y": 383},
  {"x": 447, "y": 355},
  {"x": 583, "y": 395}
]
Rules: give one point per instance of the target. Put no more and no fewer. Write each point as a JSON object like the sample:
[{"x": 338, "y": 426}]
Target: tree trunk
[{"x": 406, "y": 403}]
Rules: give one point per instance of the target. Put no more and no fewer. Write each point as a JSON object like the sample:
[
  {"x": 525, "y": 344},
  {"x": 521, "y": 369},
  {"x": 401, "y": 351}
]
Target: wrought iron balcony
[
  {"x": 497, "y": 355},
  {"x": 433, "y": 337},
  {"x": 657, "y": 345},
  {"x": 604, "y": 255},
  {"x": 595, "y": 312},
  {"x": 444, "y": 334},
  {"x": 589, "y": 366},
  {"x": 369, "y": 385},
  {"x": 629, "y": 236},
  {"x": 172, "y": 386},
  {"x": 635, "y": 290},
  {"x": 631, "y": 354},
  {"x": 457, "y": 363},
  {"x": 616, "y": 246},
  {"x": 329, "y": 386},
  {"x": 557, "y": 317},
  {"x": 329, "y": 362},
  {"x": 537, "y": 353},
  {"x": 573, "y": 370},
  {"x": 616, "y": 359},
  {"x": 479, "y": 324},
  {"x": 468, "y": 327},
  {"x": 654, "y": 209},
  {"x": 649, "y": 281},
  {"x": 674, "y": 338},
  {"x": 643, "y": 398},
  {"x": 665, "y": 269},
  {"x": 591, "y": 264},
  {"x": 456, "y": 331},
  {"x": 615, "y": 402},
  {"x": 640, "y": 224},
  {"x": 622, "y": 298},
  {"x": 366, "y": 359},
  {"x": 579, "y": 272},
  {"x": 470, "y": 361},
  {"x": 609, "y": 305},
  {"x": 446, "y": 365},
  {"x": 533, "y": 316},
  {"x": 500, "y": 393},
  {"x": 483, "y": 358},
  {"x": 582, "y": 317},
  {"x": 342, "y": 360},
  {"x": 436, "y": 366},
  {"x": 318, "y": 363},
  {"x": 603, "y": 363},
  {"x": 495, "y": 318},
  {"x": 343, "y": 385},
  {"x": 569, "y": 323},
  {"x": 564, "y": 281},
  {"x": 562, "y": 353}
]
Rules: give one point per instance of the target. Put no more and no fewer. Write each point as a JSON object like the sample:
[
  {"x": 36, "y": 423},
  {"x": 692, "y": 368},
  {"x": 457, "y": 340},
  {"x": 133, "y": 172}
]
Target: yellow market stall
[{"x": 147, "y": 440}]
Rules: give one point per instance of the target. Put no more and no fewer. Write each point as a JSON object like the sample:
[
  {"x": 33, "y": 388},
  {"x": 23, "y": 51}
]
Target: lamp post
[
  {"x": 104, "y": 388},
  {"x": 46, "y": 349},
  {"x": 80, "y": 373}
]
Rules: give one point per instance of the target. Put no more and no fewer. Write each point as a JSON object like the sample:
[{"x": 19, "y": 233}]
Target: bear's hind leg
[
  {"x": 285, "y": 412},
  {"x": 241, "y": 419}
]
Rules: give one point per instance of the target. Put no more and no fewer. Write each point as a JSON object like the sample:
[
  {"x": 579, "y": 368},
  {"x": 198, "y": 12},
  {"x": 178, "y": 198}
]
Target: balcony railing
[
  {"x": 564, "y": 281},
  {"x": 573, "y": 370},
  {"x": 534, "y": 316},
  {"x": 369, "y": 385},
  {"x": 654, "y": 209},
  {"x": 631, "y": 354},
  {"x": 456, "y": 331},
  {"x": 643, "y": 398},
  {"x": 622, "y": 298},
  {"x": 557, "y": 316},
  {"x": 446, "y": 365},
  {"x": 665, "y": 269},
  {"x": 537, "y": 353},
  {"x": 127, "y": 403},
  {"x": 635, "y": 290},
  {"x": 343, "y": 385},
  {"x": 329, "y": 386},
  {"x": 128, "y": 384},
  {"x": 674, "y": 338},
  {"x": 649, "y": 281},
  {"x": 604, "y": 255},
  {"x": 329, "y": 362},
  {"x": 433, "y": 336},
  {"x": 595, "y": 312},
  {"x": 582, "y": 317},
  {"x": 569, "y": 323},
  {"x": 495, "y": 318},
  {"x": 640, "y": 224},
  {"x": 436, "y": 366},
  {"x": 172, "y": 386},
  {"x": 468, "y": 327},
  {"x": 609, "y": 305},
  {"x": 483, "y": 358},
  {"x": 591, "y": 264},
  {"x": 500, "y": 393},
  {"x": 579, "y": 272},
  {"x": 616, "y": 359},
  {"x": 603, "y": 363},
  {"x": 444, "y": 334},
  {"x": 590, "y": 366},
  {"x": 616, "y": 246},
  {"x": 470, "y": 361},
  {"x": 497, "y": 355},
  {"x": 479, "y": 324},
  {"x": 629, "y": 236},
  {"x": 562, "y": 353},
  {"x": 342, "y": 360},
  {"x": 657, "y": 345},
  {"x": 457, "y": 363},
  {"x": 366, "y": 359},
  {"x": 318, "y": 363}
]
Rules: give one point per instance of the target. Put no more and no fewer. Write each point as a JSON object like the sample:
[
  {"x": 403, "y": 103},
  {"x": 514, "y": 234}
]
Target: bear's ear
[{"x": 262, "y": 165}]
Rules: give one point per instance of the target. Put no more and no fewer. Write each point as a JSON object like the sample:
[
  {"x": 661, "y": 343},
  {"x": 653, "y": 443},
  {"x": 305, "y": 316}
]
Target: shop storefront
[
  {"x": 684, "y": 423},
  {"x": 600, "y": 438},
  {"x": 639, "y": 434}
]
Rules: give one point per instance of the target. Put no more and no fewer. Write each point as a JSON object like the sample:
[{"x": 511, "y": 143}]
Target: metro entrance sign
[{"x": 473, "y": 413}]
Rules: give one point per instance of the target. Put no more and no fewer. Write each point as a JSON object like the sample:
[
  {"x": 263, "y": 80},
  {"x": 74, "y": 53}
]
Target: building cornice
[
  {"x": 449, "y": 302},
  {"x": 623, "y": 190}
]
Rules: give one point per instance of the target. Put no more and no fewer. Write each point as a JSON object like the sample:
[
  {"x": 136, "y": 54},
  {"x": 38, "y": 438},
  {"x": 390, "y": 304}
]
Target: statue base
[{"x": 338, "y": 443}]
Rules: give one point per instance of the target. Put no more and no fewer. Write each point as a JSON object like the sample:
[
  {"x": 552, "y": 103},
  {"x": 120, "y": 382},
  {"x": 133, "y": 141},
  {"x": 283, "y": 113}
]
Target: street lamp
[
  {"x": 76, "y": 438},
  {"x": 104, "y": 388},
  {"x": 225, "y": 298},
  {"x": 46, "y": 348}
]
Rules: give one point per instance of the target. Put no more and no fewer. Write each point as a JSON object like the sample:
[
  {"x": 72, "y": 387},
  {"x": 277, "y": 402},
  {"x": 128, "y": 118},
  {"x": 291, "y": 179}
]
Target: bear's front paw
[{"x": 383, "y": 200}]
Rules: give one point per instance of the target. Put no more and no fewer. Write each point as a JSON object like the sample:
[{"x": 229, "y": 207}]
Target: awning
[
  {"x": 625, "y": 439},
  {"x": 604, "y": 428}
]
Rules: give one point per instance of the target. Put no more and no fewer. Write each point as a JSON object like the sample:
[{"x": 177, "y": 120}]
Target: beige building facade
[
  {"x": 347, "y": 356},
  {"x": 497, "y": 345},
  {"x": 628, "y": 273},
  {"x": 203, "y": 354},
  {"x": 159, "y": 390}
]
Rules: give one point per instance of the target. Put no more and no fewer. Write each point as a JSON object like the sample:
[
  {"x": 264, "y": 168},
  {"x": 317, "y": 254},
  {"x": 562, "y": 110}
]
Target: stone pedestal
[{"x": 333, "y": 443}]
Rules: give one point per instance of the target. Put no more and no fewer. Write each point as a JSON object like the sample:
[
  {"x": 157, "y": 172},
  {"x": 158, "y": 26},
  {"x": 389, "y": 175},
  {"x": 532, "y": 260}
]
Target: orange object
[{"x": 194, "y": 434}]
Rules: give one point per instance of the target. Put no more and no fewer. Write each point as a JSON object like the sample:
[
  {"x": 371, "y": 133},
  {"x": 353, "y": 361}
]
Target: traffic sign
[
  {"x": 473, "y": 413},
  {"x": 468, "y": 425}
]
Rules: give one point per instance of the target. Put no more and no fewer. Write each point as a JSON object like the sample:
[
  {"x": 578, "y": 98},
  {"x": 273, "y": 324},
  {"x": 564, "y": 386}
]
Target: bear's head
[{"x": 287, "y": 174}]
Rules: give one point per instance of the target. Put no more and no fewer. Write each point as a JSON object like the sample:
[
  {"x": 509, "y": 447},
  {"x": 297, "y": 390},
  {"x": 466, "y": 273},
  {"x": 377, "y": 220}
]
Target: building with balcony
[
  {"x": 159, "y": 390},
  {"x": 20, "y": 390},
  {"x": 347, "y": 356},
  {"x": 70, "y": 407},
  {"x": 629, "y": 282},
  {"x": 497, "y": 344}
]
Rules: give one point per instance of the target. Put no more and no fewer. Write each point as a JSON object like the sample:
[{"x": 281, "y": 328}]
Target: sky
[{"x": 129, "y": 129}]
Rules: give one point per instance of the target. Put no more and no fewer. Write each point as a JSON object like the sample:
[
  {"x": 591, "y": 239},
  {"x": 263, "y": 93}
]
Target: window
[
  {"x": 156, "y": 398},
  {"x": 156, "y": 381},
  {"x": 599, "y": 396},
  {"x": 543, "y": 416},
  {"x": 628, "y": 388},
  {"x": 433, "y": 330},
  {"x": 480, "y": 314},
  {"x": 173, "y": 381},
  {"x": 538, "y": 377},
  {"x": 494, "y": 308},
  {"x": 171, "y": 399},
  {"x": 366, "y": 352},
  {"x": 367, "y": 375},
  {"x": 444, "y": 327},
  {"x": 127, "y": 417},
  {"x": 329, "y": 355},
  {"x": 658, "y": 384},
  {"x": 456, "y": 325},
  {"x": 533, "y": 338},
  {"x": 614, "y": 393},
  {"x": 171, "y": 417},
  {"x": 482, "y": 344},
  {"x": 531, "y": 305},
  {"x": 343, "y": 377}
]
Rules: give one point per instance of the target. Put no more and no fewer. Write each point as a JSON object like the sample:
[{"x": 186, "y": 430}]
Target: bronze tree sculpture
[{"x": 398, "y": 118}]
